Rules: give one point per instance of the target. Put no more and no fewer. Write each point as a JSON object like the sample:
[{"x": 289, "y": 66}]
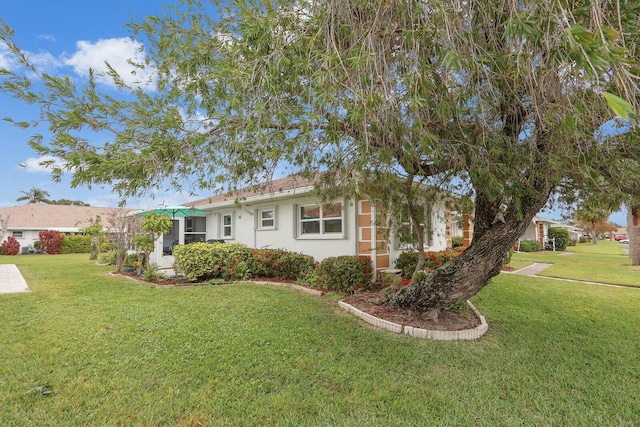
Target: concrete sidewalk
[
  {"x": 11, "y": 280},
  {"x": 531, "y": 270}
]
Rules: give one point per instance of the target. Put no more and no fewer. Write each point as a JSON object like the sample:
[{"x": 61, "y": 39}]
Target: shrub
[
  {"x": 309, "y": 277},
  {"x": 51, "y": 241},
  {"x": 345, "y": 273},
  {"x": 108, "y": 258},
  {"x": 279, "y": 263},
  {"x": 457, "y": 241},
  {"x": 11, "y": 246},
  {"x": 204, "y": 261},
  {"x": 561, "y": 235},
  {"x": 407, "y": 261},
  {"x": 529, "y": 246},
  {"x": 76, "y": 244},
  {"x": 584, "y": 239}
]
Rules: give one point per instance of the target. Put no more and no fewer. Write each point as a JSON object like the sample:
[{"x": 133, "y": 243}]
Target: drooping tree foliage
[{"x": 505, "y": 101}]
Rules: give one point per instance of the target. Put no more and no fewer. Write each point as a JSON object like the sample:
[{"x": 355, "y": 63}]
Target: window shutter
[{"x": 295, "y": 221}]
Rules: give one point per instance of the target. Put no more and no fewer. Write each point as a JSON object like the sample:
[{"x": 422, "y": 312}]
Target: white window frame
[
  {"x": 18, "y": 234},
  {"x": 223, "y": 226},
  {"x": 322, "y": 220},
  {"x": 261, "y": 219}
]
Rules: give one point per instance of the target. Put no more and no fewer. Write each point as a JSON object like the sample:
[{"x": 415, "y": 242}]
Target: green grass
[
  {"x": 605, "y": 262},
  {"x": 117, "y": 352}
]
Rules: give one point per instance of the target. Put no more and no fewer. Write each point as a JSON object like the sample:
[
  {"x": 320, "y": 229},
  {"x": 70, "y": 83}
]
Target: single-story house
[
  {"x": 286, "y": 214},
  {"x": 26, "y": 221},
  {"x": 538, "y": 230}
]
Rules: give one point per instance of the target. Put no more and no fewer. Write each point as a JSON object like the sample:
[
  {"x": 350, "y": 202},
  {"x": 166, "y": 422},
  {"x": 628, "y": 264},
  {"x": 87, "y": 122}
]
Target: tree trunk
[
  {"x": 467, "y": 274},
  {"x": 4, "y": 224},
  {"x": 594, "y": 235},
  {"x": 94, "y": 248},
  {"x": 633, "y": 228}
]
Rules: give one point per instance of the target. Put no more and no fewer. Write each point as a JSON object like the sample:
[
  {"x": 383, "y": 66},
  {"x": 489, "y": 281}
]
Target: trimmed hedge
[
  {"x": 76, "y": 244},
  {"x": 203, "y": 261},
  {"x": 530, "y": 246},
  {"x": 279, "y": 263},
  {"x": 407, "y": 261},
  {"x": 345, "y": 273}
]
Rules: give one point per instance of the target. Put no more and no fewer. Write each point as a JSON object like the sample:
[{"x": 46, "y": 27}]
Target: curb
[{"x": 465, "y": 334}]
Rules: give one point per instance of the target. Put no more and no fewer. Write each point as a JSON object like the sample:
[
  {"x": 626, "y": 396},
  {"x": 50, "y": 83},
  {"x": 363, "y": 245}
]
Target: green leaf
[{"x": 620, "y": 107}]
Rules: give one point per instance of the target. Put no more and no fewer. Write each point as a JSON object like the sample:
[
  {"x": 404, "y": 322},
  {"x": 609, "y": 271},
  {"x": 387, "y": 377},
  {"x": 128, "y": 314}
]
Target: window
[
  {"x": 406, "y": 237},
  {"x": 227, "y": 226},
  {"x": 195, "y": 229},
  {"x": 17, "y": 234},
  {"x": 267, "y": 218},
  {"x": 321, "y": 220}
]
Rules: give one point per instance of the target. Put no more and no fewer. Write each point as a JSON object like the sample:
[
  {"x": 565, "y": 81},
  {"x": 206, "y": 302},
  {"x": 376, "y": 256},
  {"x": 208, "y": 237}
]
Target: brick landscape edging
[{"x": 465, "y": 334}]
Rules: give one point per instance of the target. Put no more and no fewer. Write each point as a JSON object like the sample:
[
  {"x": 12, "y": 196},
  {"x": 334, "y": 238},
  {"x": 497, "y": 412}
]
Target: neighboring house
[
  {"x": 287, "y": 215},
  {"x": 26, "y": 221},
  {"x": 538, "y": 230}
]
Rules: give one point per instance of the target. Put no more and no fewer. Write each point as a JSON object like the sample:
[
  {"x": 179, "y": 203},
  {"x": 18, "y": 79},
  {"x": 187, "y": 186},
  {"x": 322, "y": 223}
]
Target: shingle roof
[
  {"x": 273, "y": 187},
  {"x": 37, "y": 216}
]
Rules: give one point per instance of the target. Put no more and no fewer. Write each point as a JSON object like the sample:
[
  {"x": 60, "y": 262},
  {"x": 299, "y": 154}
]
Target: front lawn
[
  {"x": 605, "y": 262},
  {"x": 117, "y": 352}
]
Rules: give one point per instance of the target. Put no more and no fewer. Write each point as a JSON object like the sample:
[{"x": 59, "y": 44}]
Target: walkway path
[{"x": 11, "y": 280}]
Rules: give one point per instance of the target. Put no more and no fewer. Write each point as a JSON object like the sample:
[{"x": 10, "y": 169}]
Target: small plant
[
  {"x": 457, "y": 241},
  {"x": 152, "y": 274},
  {"x": 11, "y": 246},
  {"x": 108, "y": 258},
  {"x": 391, "y": 280}
]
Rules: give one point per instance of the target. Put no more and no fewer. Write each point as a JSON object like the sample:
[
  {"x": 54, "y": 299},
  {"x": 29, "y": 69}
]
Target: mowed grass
[
  {"x": 118, "y": 352},
  {"x": 604, "y": 262}
]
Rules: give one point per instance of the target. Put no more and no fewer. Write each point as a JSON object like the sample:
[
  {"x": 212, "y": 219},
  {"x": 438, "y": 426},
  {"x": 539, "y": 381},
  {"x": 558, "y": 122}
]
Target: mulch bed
[{"x": 374, "y": 303}]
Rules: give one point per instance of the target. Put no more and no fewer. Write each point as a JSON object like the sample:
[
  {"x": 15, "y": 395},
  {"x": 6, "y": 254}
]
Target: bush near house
[
  {"x": 457, "y": 241},
  {"x": 11, "y": 246},
  {"x": 76, "y": 244},
  {"x": 51, "y": 241},
  {"x": 561, "y": 236},
  {"x": 345, "y": 273},
  {"x": 203, "y": 261},
  {"x": 279, "y": 263},
  {"x": 407, "y": 261},
  {"x": 530, "y": 246}
]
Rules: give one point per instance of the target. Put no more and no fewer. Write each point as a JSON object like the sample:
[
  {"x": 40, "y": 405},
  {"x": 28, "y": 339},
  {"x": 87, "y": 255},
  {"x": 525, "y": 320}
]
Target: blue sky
[
  {"x": 69, "y": 37},
  {"x": 65, "y": 37}
]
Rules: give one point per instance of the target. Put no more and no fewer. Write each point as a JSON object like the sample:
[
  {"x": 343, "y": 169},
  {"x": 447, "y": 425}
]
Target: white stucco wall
[{"x": 285, "y": 234}]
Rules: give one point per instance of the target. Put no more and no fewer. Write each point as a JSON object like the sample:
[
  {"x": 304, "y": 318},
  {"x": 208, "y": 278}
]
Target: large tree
[{"x": 505, "y": 101}]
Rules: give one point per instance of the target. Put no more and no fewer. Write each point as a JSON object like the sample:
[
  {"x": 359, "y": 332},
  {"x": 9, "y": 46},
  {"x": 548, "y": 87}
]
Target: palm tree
[{"x": 35, "y": 195}]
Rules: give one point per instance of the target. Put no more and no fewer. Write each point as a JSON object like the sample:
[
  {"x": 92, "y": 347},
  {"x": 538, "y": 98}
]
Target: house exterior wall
[
  {"x": 285, "y": 233},
  {"x": 363, "y": 230}
]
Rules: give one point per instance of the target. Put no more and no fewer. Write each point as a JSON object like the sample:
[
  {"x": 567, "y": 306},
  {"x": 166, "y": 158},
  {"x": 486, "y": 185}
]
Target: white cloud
[
  {"x": 33, "y": 164},
  {"x": 48, "y": 37},
  {"x": 6, "y": 60},
  {"x": 118, "y": 52}
]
